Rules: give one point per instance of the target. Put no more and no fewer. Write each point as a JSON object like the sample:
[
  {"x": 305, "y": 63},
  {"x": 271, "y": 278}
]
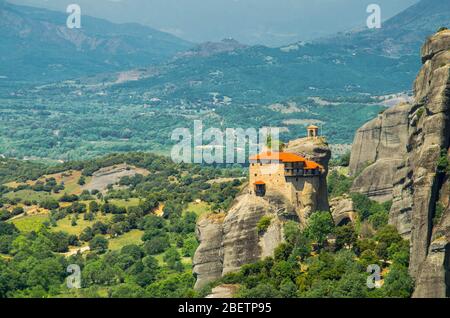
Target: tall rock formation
[
  {"x": 318, "y": 151},
  {"x": 429, "y": 138},
  {"x": 407, "y": 149},
  {"x": 228, "y": 241},
  {"x": 377, "y": 151}
]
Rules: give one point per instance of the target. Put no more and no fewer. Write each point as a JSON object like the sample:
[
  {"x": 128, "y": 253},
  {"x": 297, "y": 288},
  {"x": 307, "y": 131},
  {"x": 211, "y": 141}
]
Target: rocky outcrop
[
  {"x": 429, "y": 134},
  {"x": 227, "y": 243},
  {"x": 377, "y": 151},
  {"x": 208, "y": 259},
  {"x": 233, "y": 240},
  {"x": 242, "y": 244},
  {"x": 433, "y": 282},
  {"x": 342, "y": 210},
  {"x": 318, "y": 150},
  {"x": 420, "y": 191},
  {"x": 224, "y": 291}
]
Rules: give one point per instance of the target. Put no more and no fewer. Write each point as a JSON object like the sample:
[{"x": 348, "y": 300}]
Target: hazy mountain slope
[
  {"x": 402, "y": 34},
  {"x": 37, "y": 45},
  {"x": 224, "y": 84},
  {"x": 367, "y": 61}
]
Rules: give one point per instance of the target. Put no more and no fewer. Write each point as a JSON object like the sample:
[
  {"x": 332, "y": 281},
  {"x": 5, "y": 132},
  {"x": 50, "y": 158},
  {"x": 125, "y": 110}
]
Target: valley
[
  {"x": 71, "y": 122},
  {"x": 135, "y": 103},
  {"x": 145, "y": 217},
  {"x": 351, "y": 201}
]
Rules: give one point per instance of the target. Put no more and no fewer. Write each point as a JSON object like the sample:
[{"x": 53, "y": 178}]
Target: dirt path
[{"x": 76, "y": 250}]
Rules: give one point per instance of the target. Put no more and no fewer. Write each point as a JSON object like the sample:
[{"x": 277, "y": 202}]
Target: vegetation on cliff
[{"x": 303, "y": 268}]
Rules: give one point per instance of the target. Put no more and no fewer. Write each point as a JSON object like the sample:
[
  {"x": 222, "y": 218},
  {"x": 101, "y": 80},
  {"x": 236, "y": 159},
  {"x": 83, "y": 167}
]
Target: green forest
[
  {"x": 132, "y": 251},
  {"x": 136, "y": 238},
  {"x": 73, "y": 121}
]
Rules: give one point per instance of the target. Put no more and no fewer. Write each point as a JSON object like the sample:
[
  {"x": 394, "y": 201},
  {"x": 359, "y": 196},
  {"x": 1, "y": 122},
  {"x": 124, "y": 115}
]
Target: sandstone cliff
[
  {"x": 377, "y": 151},
  {"x": 227, "y": 243},
  {"x": 430, "y": 134},
  {"x": 397, "y": 155},
  {"x": 230, "y": 240},
  {"x": 208, "y": 261},
  {"x": 342, "y": 210},
  {"x": 316, "y": 150}
]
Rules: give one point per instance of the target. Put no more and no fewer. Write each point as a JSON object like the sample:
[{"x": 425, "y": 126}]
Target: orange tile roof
[
  {"x": 260, "y": 183},
  {"x": 286, "y": 157},
  {"x": 278, "y": 156},
  {"x": 312, "y": 165}
]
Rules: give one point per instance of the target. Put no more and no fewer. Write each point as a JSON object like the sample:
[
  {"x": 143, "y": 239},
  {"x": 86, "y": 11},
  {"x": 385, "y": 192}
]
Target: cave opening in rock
[{"x": 344, "y": 221}]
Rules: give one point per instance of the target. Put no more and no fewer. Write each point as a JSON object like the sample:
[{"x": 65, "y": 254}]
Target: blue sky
[{"x": 268, "y": 22}]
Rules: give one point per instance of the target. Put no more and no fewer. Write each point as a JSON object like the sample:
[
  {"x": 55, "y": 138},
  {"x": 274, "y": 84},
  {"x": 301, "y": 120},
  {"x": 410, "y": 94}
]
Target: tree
[
  {"x": 288, "y": 289},
  {"x": 351, "y": 285},
  {"x": 172, "y": 258},
  {"x": 99, "y": 272},
  {"x": 6, "y": 243},
  {"x": 149, "y": 271},
  {"x": 263, "y": 224},
  {"x": 87, "y": 234},
  {"x": 17, "y": 210},
  {"x": 99, "y": 228},
  {"x": 399, "y": 253},
  {"x": 190, "y": 245},
  {"x": 128, "y": 291},
  {"x": 8, "y": 229},
  {"x": 68, "y": 198},
  {"x": 82, "y": 181},
  {"x": 320, "y": 225},
  {"x": 338, "y": 184},
  {"x": 362, "y": 205},
  {"x": 282, "y": 252},
  {"x": 262, "y": 290},
  {"x": 88, "y": 216},
  {"x": 177, "y": 285},
  {"x": 284, "y": 269},
  {"x": 94, "y": 207},
  {"x": 156, "y": 245},
  {"x": 344, "y": 160},
  {"x": 345, "y": 236},
  {"x": 5, "y": 215},
  {"x": 60, "y": 241},
  {"x": 98, "y": 244},
  {"x": 49, "y": 204},
  {"x": 388, "y": 235},
  {"x": 292, "y": 232},
  {"x": 398, "y": 283},
  {"x": 369, "y": 257}
]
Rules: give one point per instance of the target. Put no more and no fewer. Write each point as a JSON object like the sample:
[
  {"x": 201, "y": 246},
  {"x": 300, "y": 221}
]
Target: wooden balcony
[{"x": 301, "y": 173}]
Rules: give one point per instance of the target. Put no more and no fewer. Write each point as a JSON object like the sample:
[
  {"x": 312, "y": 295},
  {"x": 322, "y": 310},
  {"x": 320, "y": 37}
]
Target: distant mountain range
[
  {"x": 131, "y": 86},
  {"x": 36, "y": 45},
  {"x": 401, "y": 35},
  {"x": 378, "y": 62}
]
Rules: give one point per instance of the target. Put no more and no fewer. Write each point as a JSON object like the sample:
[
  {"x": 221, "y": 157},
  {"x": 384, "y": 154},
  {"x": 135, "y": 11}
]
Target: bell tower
[{"x": 313, "y": 132}]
